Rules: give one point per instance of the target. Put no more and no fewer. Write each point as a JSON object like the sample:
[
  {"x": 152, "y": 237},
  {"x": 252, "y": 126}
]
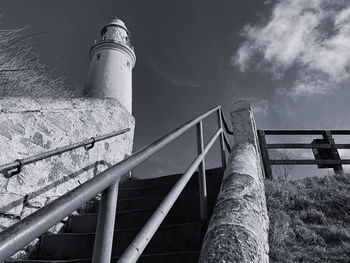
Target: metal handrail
[
  {"x": 227, "y": 143},
  {"x": 87, "y": 144},
  {"x": 227, "y": 129},
  {"x": 140, "y": 242},
  {"x": 18, "y": 235}
]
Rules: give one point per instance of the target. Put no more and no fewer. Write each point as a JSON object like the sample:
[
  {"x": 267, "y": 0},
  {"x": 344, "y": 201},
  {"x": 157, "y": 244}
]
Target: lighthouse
[{"x": 111, "y": 62}]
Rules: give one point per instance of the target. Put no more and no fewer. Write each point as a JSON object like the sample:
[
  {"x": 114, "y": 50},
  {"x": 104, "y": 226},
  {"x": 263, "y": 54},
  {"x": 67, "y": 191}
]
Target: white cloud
[
  {"x": 260, "y": 106},
  {"x": 309, "y": 36},
  {"x": 168, "y": 76}
]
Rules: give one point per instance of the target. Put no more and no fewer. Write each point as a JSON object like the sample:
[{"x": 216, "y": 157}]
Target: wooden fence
[{"x": 325, "y": 150}]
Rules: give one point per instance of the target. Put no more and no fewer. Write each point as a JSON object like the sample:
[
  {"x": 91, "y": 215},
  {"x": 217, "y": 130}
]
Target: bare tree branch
[{"x": 281, "y": 172}]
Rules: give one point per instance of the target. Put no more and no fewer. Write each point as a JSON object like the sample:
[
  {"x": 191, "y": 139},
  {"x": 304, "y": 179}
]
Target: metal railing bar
[
  {"x": 17, "y": 164},
  {"x": 227, "y": 143},
  {"x": 202, "y": 183},
  {"x": 177, "y": 132},
  {"x": 18, "y": 235},
  {"x": 306, "y": 146},
  {"x": 140, "y": 242},
  {"x": 221, "y": 139},
  {"x": 227, "y": 129},
  {"x": 309, "y": 162},
  {"x": 102, "y": 251}
]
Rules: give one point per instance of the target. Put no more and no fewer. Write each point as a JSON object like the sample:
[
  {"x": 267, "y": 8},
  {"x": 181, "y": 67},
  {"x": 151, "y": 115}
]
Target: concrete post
[{"x": 238, "y": 228}]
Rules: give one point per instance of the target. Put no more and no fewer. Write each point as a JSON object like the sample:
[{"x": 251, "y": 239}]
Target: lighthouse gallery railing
[{"x": 20, "y": 234}]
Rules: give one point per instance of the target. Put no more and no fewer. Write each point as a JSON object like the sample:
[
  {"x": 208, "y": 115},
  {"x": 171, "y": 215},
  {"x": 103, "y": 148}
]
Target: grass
[
  {"x": 22, "y": 73},
  {"x": 309, "y": 219}
]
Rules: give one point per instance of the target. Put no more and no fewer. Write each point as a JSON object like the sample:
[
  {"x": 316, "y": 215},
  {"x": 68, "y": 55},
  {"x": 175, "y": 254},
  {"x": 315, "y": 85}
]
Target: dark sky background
[{"x": 184, "y": 66}]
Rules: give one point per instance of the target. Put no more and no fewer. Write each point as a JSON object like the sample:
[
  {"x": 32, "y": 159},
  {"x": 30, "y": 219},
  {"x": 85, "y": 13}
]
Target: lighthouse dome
[{"x": 115, "y": 25}]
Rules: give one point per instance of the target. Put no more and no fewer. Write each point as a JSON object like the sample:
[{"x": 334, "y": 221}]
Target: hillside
[{"x": 309, "y": 219}]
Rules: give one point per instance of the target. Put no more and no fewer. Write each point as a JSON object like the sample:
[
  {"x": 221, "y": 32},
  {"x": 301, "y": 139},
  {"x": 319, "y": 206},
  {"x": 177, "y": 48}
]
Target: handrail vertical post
[
  {"x": 221, "y": 138},
  {"x": 105, "y": 225},
  {"x": 201, "y": 175}
]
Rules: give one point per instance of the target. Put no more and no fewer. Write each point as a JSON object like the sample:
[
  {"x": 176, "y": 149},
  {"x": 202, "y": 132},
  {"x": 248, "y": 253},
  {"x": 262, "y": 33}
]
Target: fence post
[
  {"x": 327, "y": 136},
  {"x": 105, "y": 225},
  {"x": 265, "y": 155},
  {"x": 238, "y": 228},
  {"x": 201, "y": 175}
]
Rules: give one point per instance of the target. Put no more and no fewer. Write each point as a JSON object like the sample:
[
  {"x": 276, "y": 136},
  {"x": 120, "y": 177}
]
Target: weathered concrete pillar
[{"x": 238, "y": 228}]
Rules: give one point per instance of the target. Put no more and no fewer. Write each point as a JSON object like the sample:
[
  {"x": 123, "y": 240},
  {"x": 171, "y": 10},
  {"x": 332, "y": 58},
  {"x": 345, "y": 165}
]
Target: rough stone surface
[
  {"x": 238, "y": 228},
  {"x": 31, "y": 126}
]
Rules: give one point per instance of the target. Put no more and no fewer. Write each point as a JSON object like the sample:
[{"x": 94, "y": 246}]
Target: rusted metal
[
  {"x": 140, "y": 242},
  {"x": 89, "y": 143},
  {"x": 203, "y": 202}
]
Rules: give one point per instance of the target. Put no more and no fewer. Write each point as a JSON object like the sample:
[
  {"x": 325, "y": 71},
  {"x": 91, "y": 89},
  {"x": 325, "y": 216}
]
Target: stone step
[
  {"x": 150, "y": 195},
  {"x": 161, "y": 189},
  {"x": 170, "y": 179},
  {"x": 185, "y": 256},
  {"x": 168, "y": 239},
  {"x": 177, "y": 240},
  {"x": 152, "y": 201},
  {"x": 184, "y": 213}
]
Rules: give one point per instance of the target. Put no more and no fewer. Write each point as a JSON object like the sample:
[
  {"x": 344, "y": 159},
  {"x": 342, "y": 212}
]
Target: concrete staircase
[{"x": 179, "y": 238}]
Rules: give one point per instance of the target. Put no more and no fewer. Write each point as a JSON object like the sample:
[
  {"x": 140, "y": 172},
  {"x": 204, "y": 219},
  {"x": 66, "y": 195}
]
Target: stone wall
[
  {"x": 238, "y": 228},
  {"x": 31, "y": 126}
]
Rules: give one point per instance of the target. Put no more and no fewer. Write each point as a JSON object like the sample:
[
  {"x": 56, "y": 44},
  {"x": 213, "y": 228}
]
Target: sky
[{"x": 289, "y": 58}]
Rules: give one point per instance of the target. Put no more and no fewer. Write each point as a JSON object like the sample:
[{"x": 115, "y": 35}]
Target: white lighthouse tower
[{"x": 111, "y": 62}]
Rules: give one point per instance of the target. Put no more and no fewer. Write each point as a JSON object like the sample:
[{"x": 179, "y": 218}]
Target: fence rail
[
  {"x": 325, "y": 150},
  {"x": 305, "y": 132}
]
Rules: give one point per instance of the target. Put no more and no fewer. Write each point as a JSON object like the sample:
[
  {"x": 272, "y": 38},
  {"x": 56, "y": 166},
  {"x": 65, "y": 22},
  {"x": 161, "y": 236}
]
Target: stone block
[
  {"x": 31, "y": 126},
  {"x": 11, "y": 204}
]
